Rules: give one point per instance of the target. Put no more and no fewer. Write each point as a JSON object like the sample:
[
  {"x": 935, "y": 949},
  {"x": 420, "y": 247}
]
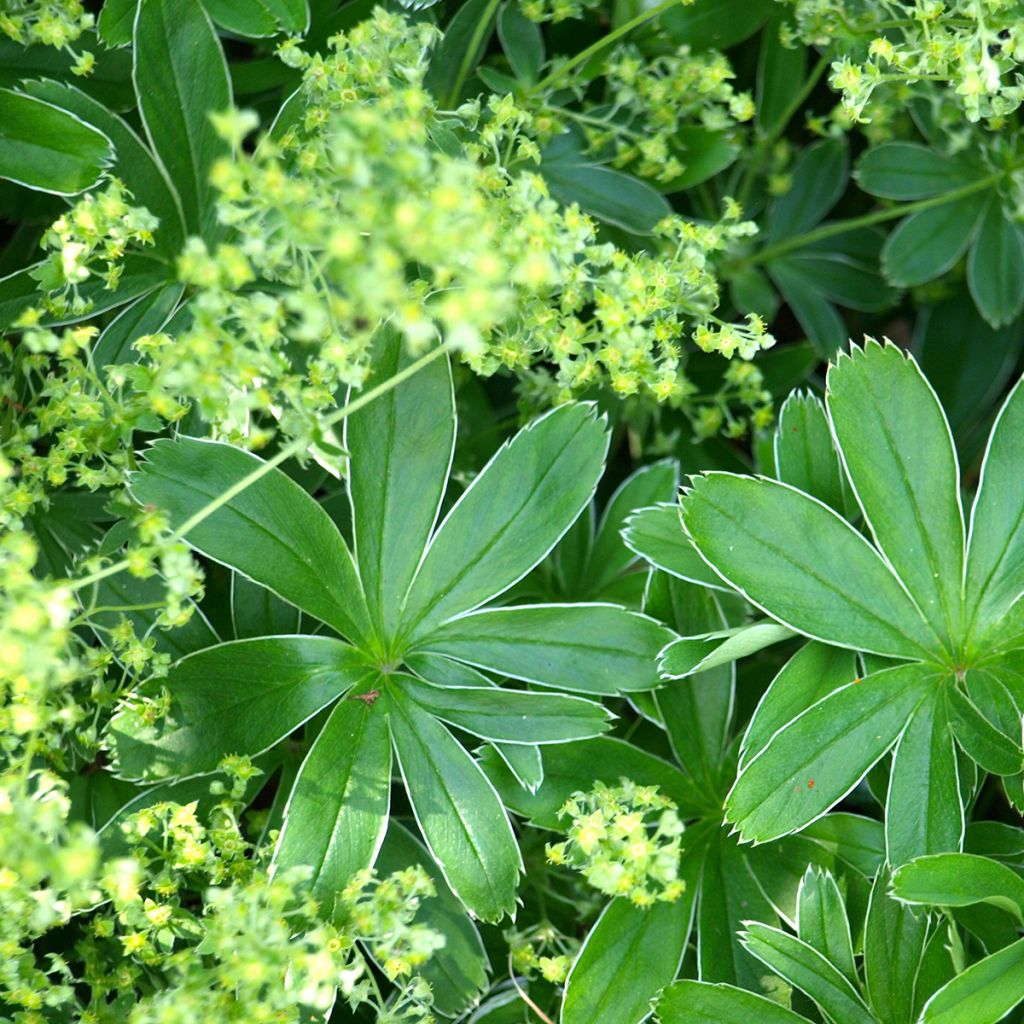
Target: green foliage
[{"x": 361, "y": 659}]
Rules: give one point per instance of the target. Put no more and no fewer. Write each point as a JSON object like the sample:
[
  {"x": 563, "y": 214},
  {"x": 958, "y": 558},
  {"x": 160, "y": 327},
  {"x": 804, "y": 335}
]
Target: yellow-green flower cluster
[
  {"x": 56, "y": 23},
  {"x": 973, "y": 47},
  {"x": 542, "y": 950},
  {"x": 90, "y": 240},
  {"x": 625, "y": 840}
]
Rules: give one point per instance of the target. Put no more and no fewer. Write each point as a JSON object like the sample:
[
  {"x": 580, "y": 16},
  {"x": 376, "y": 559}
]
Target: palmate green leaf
[
  {"x": 729, "y": 895},
  {"x": 609, "y": 557},
  {"x": 509, "y": 716},
  {"x": 256, "y": 611},
  {"x": 984, "y": 993},
  {"x": 960, "y": 880},
  {"x": 803, "y": 966},
  {"x": 239, "y": 697},
  {"x": 181, "y": 78},
  {"x": 691, "y": 654},
  {"x": 899, "y": 456},
  {"x": 510, "y": 517},
  {"x": 569, "y": 767},
  {"x": 697, "y": 1002},
  {"x": 656, "y": 534},
  {"x": 995, "y": 558},
  {"x": 337, "y": 813},
  {"x": 805, "y": 456},
  {"x": 458, "y": 811},
  {"x": 924, "y": 776},
  {"x": 819, "y": 757},
  {"x": 822, "y": 922},
  {"x": 895, "y": 940},
  {"x": 588, "y": 648},
  {"x": 401, "y": 447},
  {"x": 804, "y": 565},
  {"x": 815, "y": 671},
  {"x": 457, "y": 971},
  {"x": 48, "y": 149},
  {"x": 272, "y": 531},
  {"x": 696, "y": 714},
  {"x": 650, "y": 940}
]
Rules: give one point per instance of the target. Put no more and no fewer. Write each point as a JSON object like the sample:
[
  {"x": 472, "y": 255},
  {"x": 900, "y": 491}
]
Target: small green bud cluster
[{"x": 625, "y": 840}]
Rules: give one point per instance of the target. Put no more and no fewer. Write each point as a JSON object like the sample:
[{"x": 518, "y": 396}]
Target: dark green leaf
[
  {"x": 116, "y": 21},
  {"x": 989, "y": 747},
  {"x": 781, "y": 73},
  {"x": 960, "y": 880},
  {"x": 255, "y": 18},
  {"x": 510, "y": 517},
  {"x": 272, "y": 531},
  {"x": 819, "y": 757},
  {"x": 454, "y": 58},
  {"x": 147, "y": 315},
  {"x": 803, "y": 564},
  {"x": 657, "y": 534},
  {"x": 522, "y": 42},
  {"x": 908, "y": 170},
  {"x": 822, "y": 922},
  {"x": 995, "y": 268},
  {"x": 714, "y": 23},
  {"x": 236, "y": 698},
  {"x": 818, "y": 317},
  {"x": 804, "y": 453},
  {"x": 983, "y": 994},
  {"x": 697, "y": 1002},
  {"x": 457, "y": 810},
  {"x": 819, "y": 178},
  {"x": 256, "y": 611},
  {"x": 338, "y": 809},
  {"x": 588, "y": 648}
]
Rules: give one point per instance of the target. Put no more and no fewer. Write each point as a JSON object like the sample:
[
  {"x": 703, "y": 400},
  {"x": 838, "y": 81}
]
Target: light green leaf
[
  {"x": 691, "y": 654},
  {"x": 509, "y": 716},
  {"x": 929, "y": 242},
  {"x": 457, "y": 971},
  {"x": 697, "y": 1002},
  {"x": 803, "y": 564},
  {"x": 181, "y": 78},
  {"x": 271, "y": 531},
  {"x": 657, "y": 534},
  {"x": 524, "y": 762},
  {"x": 48, "y": 149},
  {"x": 510, "y": 517},
  {"x": 984, "y": 993},
  {"x": 908, "y": 170},
  {"x": 924, "y": 776},
  {"x": 808, "y": 970},
  {"x": 995, "y": 560},
  {"x": 401, "y": 448},
  {"x": 895, "y": 939},
  {"x": 960, "y": 880},
  {"x": 815, "y": 671},
  {"x": 337, "y": 813},
  {"x": 901, "y": 462},
  {"x": 588, "y": 648},
  {"x": 457, "y": 810},
  {"x": 805, "y": 456},
  {"x": 239, "y": 697},
  {"x": 995, "y": 267},
  {"x": 822, "y": 922},
  {"x": 819, "y": 757},
  {"x": 651, "y": 940},
  {"x": 131, "y": 161}
]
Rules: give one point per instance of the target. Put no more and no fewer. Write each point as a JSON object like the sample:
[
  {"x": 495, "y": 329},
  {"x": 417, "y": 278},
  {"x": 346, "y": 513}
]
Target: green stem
[
  {"x": 272, "y": 463},
  {"x": 614, "y": 36},
  {"x": 842, "y": 227},
  {"x": 481, "y": 32}
]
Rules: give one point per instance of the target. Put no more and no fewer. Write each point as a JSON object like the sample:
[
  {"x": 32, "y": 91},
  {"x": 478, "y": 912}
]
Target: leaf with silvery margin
[
  {"x": 238, "y": 697},
  {"x": 699, "y": 1002},
  {"x": 817, "y": 759},
  {"x": 805, "y": 455},
  {"x": 983, "y": 994},
  {"x": 822, "y": 922},
  {"x": 458, "y": 812},
  {"x": 528, "y": 495}
]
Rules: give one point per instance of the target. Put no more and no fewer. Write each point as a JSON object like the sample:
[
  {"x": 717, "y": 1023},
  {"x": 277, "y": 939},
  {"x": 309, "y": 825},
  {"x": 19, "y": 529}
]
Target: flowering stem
[
  {"x": 525, "y": 996},
  {"x": 612, "y": 37},
  {"x": 272, "y": 463},
  {"x": 842, "y": 227}
]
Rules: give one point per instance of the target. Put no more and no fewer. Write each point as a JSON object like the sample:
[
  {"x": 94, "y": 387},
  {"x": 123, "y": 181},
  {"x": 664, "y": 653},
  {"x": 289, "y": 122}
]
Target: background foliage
[{"x": 361, "y": 658}]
